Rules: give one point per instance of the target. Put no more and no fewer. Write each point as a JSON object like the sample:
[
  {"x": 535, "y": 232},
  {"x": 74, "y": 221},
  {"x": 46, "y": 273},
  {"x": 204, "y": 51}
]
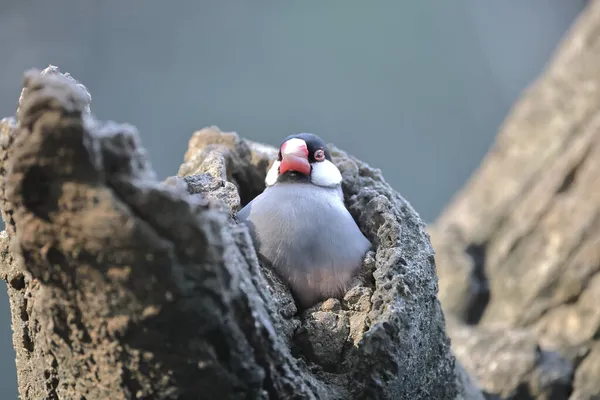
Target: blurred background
[{"x": 418, "y": 89}]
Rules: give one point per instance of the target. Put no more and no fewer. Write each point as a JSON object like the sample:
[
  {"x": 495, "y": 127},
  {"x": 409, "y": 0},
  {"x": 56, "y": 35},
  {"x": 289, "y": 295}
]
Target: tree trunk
[
  {"x": 123, "y": 287},
  {"x": 518, "y": 249}
]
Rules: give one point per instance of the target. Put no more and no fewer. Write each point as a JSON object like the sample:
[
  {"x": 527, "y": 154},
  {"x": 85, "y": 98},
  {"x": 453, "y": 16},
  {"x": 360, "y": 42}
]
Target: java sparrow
[{"x": 300, "y": 225}]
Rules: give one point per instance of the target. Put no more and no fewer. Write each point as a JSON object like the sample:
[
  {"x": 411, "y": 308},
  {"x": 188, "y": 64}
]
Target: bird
[{"x": 300, "y": 225}]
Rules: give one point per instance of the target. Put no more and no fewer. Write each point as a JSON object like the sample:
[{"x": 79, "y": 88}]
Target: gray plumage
[{"x": 308, "y": 236}]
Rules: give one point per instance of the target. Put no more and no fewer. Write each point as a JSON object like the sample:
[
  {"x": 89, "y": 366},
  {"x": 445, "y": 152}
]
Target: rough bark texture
[
  {"x": 518, "y": 249},
  {"x": 124, "y": 287}
]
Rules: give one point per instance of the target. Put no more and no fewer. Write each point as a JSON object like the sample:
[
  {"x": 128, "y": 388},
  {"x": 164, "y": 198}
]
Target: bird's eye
[{"x": 319, "y": 155}]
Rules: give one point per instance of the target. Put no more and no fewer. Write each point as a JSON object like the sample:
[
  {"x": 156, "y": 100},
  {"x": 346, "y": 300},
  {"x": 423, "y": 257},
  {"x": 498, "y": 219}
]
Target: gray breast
[{"x": 308, "y": 236}]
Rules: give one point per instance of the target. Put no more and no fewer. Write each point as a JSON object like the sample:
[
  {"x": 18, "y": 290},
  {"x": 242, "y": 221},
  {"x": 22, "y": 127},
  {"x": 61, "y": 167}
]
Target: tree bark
[
  {"x": 124, "y": 287},
  {"x": 518, "y": 248}
]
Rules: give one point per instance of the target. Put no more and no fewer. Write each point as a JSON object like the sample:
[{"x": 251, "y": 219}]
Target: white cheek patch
[
  {"x": 273, "y": 174},
  {"x": 325, "y": 173}
]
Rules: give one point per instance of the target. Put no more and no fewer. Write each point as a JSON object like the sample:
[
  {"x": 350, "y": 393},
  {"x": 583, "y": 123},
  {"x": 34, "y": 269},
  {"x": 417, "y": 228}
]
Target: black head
[
  {"x": 304, "y": 157},
  {"x": 313, "y": 143}
]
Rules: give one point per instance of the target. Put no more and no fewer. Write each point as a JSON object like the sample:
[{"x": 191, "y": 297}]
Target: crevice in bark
[{"x": 477, "y": 305}]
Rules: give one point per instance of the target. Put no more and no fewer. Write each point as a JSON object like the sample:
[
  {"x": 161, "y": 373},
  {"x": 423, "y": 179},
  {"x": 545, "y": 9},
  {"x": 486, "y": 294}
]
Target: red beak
[{"x": 294, "y": 157}]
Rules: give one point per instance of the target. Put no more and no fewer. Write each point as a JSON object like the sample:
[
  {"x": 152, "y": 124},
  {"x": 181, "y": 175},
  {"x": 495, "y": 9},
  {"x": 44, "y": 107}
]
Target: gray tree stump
[{"x": 123, "y": 287}]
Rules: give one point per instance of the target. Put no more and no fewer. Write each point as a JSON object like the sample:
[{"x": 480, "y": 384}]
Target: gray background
[{"x": 415, "y": 88}]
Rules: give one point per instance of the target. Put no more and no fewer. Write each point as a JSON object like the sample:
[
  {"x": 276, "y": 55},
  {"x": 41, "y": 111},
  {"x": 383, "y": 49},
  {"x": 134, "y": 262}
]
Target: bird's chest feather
[{"x": 303, "y": 227}]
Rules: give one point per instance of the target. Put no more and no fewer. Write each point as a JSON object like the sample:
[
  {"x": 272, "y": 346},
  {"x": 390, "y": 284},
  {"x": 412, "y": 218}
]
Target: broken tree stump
[{"x": 124, "y": 287}]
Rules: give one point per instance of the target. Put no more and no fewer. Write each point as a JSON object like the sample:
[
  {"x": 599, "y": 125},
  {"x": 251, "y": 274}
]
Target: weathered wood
[
  {"x": 519, "y": 247},
  {"x": 123, "y": 287}
]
